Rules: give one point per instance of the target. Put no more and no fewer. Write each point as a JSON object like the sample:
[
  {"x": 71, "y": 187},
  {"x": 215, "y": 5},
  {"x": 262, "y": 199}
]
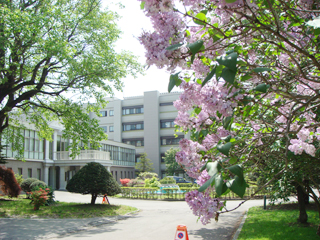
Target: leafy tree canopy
[
  {"x": 172, "y": 166},
  {"x": 55, "y": 57},
  {"x": 145, "y": 164}
]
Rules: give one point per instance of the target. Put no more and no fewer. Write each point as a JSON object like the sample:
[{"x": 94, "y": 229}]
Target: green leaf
[
  {"x": 210, "y": 75},
  {"x": 230, "y": 1},
  {"x": 142, "y": 5},
  {"x": 195, "y": 47},
  {"x": 233, "y": 160},
  {"x": 206, "y": 184},
  {"x": 226, "y": 121},
  {"x": 224, "y": 148},
  {"x": 245, "y": 77},
  {"x": 228, "y": 75},
  {"x": 262, "y": 69},
  {"x": 174, "y": 47},
  {"x": 197, "y": 110},
  {"x": 213, "y": 168},
  {"x": 236, "y": 170},
  {"x": 237, "y": 186},
  {"x": 262, "y": 88},
  {"x": 202, "y": 19},
  {"x": 174, "y": 81},
  {"x": 203, "y": 167},
  {"x": 219, "y": 184},
  {"x": 229, "y": 61},
  {"x": 226, "y": 139}
]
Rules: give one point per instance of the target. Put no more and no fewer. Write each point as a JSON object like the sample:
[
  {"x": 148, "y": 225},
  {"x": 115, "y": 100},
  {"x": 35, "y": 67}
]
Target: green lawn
[
  {"x": 278, "y": 223},
  {"x": 20, "y": 207}
]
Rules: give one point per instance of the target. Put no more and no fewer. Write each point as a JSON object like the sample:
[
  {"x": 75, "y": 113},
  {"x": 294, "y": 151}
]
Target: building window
[
  {"x": 104, "y": 113},
  {"x": 20, "y": 171},
  {"x": 111, "y": 129},
  {"x": 132, "y": 110},
  {"x": 105, "y": 128},
  {"x": 132, "y": 126},
  {"x": 171, "y": 140},
  {"x": 138, "y": 142},
  {"x": 29, "y": 172},
  {"x": 111, "y": 113},
  {"x": 39, "y": 173},
  {"x": 167, "y": 123},
  {"x": 166, "y": 104}
]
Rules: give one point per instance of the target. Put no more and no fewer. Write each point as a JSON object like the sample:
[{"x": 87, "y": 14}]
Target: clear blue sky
[{"x": 132, "y": 22}]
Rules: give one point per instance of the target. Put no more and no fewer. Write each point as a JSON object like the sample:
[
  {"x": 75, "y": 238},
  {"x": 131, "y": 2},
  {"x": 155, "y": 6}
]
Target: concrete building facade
[
  {"x": 146, "y": 122},
  {"x": 50, "y": 161},
  {"x": 134, "y": 125}
]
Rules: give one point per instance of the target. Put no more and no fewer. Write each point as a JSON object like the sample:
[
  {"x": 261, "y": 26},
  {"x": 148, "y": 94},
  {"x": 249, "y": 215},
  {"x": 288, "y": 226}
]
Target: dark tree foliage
[
  {"x": 8, "y": 183},
  {"x": 93, "y": 179}
]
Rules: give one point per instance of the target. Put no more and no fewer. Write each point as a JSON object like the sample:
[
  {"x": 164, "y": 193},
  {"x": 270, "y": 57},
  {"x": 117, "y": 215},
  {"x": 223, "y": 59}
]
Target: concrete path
[{"x": 155, "y": 220}]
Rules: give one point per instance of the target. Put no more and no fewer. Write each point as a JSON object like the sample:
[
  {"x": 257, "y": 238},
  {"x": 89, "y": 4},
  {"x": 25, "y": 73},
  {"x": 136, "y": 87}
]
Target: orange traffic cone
[
  {"x": 181, "y": 233},
  {"x": 105, "y": 199}
]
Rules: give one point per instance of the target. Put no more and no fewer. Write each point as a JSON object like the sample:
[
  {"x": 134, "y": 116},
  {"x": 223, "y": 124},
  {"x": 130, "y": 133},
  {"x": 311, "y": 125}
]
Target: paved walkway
[{"x": 156, "y": 220}]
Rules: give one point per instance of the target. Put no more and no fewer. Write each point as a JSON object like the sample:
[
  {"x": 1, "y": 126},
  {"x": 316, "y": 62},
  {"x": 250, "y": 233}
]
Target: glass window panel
[
  {"x": 31, "y": 154},
  {"x": 36, "y": 145},
  {"x": 26, "y": 133},
  {"x": 31, "y": 145}
]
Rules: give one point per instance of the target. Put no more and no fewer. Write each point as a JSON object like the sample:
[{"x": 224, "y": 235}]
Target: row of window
[
  {"x": 105, "y": 128},
  {"x": 132, "y": 110},
  {"x": 132, "y": 126},
  {"x": 140, "y": 125},
  {"x": 20, "y": 172},
  {"x": 168, "y": 140},
  {"x": 105, "y": 113},
  {"x": 138, "y": 142}
]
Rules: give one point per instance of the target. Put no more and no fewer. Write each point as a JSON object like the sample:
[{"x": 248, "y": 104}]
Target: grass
[
  {"x": 279, "y": 223},
  {"x": 21, "y": 208}
]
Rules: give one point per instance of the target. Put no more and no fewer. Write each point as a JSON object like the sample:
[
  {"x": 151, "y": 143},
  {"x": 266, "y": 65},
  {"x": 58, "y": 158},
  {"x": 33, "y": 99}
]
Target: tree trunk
[
  {"x": 303, "y": 217},
  {"x": 93, "y": 198}
]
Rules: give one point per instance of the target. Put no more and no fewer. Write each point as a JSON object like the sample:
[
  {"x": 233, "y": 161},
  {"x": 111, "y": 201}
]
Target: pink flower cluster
[
  {"x": 203, "y": 206},
  {"x": 210, "y": 98}
]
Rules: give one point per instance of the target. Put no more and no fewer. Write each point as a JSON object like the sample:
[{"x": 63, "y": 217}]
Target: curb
[{"x": 236, "y": 235}]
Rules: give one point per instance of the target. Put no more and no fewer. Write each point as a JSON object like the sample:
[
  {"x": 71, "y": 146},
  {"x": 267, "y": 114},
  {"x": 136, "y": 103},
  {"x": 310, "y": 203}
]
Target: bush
[
  {"x": 25, "y": 185},
  {"x": 39, "y": 197},
  {"x": 49, "y": 191},
  {"x": 19, "y": 178},
  {"x": 168, "y": 180},
  {"x": 37, "y": 184},
  {"x": 135, "y": 183},
  {"x": 124, "y": 182},
  {"x": 186, "y": 185},
  {"x": 146, "y": 175},
  {"x": 8, "y": 182},
  {"x": 152, "y": 182},
  {"x": 93, "y": 179}
]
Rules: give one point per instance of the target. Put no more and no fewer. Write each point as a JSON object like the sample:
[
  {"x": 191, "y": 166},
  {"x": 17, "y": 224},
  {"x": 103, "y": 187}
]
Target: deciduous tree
[
  {"x": 145, "y": 164},
  {"x": 250, "y": 75},
  {"x": 56, "y": 56}
]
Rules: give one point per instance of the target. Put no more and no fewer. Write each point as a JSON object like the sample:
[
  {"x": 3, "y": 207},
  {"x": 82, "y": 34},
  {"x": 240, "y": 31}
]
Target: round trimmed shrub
[
  {"x": 25, "y": 185},
  {"x": 37, "y": 184},
  {"x": 93, "y": 179}
]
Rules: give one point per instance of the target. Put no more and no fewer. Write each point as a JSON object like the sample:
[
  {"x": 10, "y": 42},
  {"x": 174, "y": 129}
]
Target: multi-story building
[
  {"x": 146, "y": 122},
  {"x": 135, "y": 125},
  {"x": 50, "y": 162}
]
